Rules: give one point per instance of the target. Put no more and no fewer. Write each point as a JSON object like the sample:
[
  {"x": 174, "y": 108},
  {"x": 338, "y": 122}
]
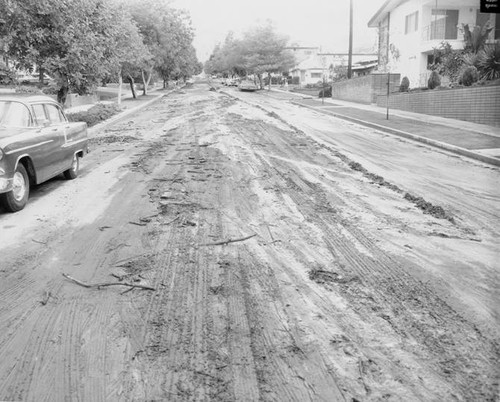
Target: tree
[
  {"x": 265, "y": 51},
  {"x": 227, "y": 59},
  {"x": 130, "y": 52},
  {"x": 73, "y": 40},
  {"x": 476, "y": 39},
  {"x": 261, "y": 51},
  {"x": 168, "y": 35}
]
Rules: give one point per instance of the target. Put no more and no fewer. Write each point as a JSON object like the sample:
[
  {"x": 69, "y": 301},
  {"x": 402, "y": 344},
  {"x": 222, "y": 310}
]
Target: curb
[
  {"x": 92, "y": 131},
  {"x": 438, "y": 144}
]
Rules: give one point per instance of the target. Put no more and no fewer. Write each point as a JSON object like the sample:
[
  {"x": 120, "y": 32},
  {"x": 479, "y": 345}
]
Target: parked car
[
  {"x": 248, "y": 86},
  {"x": 37, "y": 142}
]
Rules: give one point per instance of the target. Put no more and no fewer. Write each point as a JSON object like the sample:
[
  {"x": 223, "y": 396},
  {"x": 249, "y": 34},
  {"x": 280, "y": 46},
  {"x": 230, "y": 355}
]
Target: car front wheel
[
  {"x": 17, "y": 198},
  {"x": 72, "y": 172}
]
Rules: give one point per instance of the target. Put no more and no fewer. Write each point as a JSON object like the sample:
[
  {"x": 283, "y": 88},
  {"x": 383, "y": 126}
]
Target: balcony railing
[{"x": 439, "y": 31}]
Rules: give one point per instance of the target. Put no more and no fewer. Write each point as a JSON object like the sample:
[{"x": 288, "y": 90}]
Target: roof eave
[{"x": 385, "y": 9}]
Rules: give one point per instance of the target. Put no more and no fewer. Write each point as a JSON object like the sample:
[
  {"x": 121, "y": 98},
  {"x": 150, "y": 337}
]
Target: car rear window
[{"x": 14, "y": 114}]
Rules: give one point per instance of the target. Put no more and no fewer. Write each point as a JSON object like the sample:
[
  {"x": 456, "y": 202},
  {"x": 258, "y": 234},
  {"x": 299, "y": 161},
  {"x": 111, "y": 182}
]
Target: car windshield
[{"x": 14, "y": 114}]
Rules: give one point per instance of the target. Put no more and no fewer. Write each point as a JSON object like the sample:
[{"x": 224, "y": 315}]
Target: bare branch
[
  {"x": 105, "y": 284},
  {"x": 225, "y": 242}
]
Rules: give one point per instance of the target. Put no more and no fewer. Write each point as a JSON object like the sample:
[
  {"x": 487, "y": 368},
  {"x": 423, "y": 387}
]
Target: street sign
[{"x": 490, "y": 6}]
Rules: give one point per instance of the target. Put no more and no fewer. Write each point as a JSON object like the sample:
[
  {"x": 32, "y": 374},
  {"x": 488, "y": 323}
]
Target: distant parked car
[
  {"x": 248, "y": 86},
  {"x": 36, "y": 143}
]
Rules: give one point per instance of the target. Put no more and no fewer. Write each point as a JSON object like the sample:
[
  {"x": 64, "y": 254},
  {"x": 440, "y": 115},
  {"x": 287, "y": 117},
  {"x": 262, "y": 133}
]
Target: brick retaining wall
[{"x": 476, "y": 104}]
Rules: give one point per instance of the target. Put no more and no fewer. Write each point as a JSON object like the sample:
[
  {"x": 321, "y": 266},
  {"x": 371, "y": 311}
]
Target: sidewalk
[
  {"x": 476, "y": 141},
  {"x": 128, "y": 105}
]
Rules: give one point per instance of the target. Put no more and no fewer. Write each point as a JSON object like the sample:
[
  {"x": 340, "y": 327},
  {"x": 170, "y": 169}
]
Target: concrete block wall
[
  {"x": 379, "y": 84},
  {"x": 365, "y": 89},
  {"x": 477, "y": 104},
  {"x": 356, "y": 89}
]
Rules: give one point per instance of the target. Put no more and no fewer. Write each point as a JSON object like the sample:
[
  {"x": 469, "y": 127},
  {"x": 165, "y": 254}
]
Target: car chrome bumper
[{"x": 5, "y": 185}]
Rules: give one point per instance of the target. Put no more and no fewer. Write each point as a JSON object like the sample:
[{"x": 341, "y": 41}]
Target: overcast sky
[{"x": 322, "y": 23}]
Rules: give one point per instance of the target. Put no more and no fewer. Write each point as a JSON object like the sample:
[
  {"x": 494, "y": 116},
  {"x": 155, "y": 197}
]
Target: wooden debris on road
[
  {"x": 105, "y": 284},
  {"x": 225, "y": 242},
  {"x": 137, "y": 223}
]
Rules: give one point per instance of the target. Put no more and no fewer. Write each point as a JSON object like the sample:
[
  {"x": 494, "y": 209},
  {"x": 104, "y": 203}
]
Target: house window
[
  {"x": 444, "y": 24},
  {"x": 482, "y": 18},
  {"x": 316, "y": 75},
  {"x": 411, "y": 23}
]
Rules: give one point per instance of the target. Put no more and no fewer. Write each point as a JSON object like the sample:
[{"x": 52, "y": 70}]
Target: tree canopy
[
  {"x": 261, "y": 50},
  {"x": 82, "y": 42}
]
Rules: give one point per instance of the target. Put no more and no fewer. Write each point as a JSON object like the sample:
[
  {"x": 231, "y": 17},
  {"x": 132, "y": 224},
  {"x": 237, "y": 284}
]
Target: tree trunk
[
  {"x": 145, "y": 82},
  {"x": 132, "y": 88},
  {"x": 165, "y": 83},
  {"x": 41, "y": 73},
  {"x": 259, "y": 76},
  {"x": 120, "y": 82},
  {"x": 144, "y": 85},
  {"x": 269, "y": 84},
  {"x": 63, "y": 92}
]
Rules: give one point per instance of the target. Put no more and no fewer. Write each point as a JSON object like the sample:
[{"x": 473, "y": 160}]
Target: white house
[
  {"x": 320, "y": 65},
  {"x": 409, "y": 30}
]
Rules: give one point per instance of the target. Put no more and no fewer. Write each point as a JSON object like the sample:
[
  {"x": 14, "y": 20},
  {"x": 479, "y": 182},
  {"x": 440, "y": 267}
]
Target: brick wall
[
  {"x": 477, "y": 104},
  {"x": 365, "y": 89}
]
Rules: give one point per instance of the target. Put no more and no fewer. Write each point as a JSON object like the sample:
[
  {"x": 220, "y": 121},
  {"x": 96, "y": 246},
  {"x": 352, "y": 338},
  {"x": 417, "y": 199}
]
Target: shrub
[
  {"x": 434, "y": 80},
  {"x": 326, "y": 93},
  {"x": 447, "y": 61},
  {"x": 28, "y": 89},
  {"x": 96, "y": 114},
  {"x": 7, "y": 76},
  {"x": 405, "y": 85},
  {"x": 489, "y": 63},
  {"x": 51, "y": 89},
  {"x": 469, "y": 76}
]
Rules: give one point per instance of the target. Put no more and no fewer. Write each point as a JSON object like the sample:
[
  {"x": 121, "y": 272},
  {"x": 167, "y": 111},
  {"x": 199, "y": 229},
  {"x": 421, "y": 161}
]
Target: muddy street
[{"x": 264, "y": 252}]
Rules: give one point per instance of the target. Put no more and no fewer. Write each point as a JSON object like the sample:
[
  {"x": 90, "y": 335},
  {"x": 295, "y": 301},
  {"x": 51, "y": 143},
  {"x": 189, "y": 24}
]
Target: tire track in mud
[
  {"x": 64, "y": 346},
  {"x": 440, "y": 332},
  {"x": 391, "y": 283},
  {"x": 171, "y": 320}
]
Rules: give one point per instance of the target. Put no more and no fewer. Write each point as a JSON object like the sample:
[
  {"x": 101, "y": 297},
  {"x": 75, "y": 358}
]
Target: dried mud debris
[
  {"x": 113, "y": 138},
  {"x": 429, "y": 208}
]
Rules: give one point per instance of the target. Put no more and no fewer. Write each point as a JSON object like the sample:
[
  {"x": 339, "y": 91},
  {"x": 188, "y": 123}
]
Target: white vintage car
[{"x": 36, "y": 143}]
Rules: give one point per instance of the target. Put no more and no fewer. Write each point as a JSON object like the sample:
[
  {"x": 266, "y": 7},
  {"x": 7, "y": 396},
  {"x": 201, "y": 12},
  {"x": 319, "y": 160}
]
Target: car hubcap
[{"x": 19, "y": 186}]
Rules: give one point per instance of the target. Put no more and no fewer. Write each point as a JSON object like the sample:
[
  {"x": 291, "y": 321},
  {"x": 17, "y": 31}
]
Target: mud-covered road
[{"x": 292, "y": 257}]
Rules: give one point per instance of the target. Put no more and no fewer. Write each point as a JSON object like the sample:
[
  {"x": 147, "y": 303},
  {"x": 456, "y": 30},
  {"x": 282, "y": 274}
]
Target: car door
[
  {"x": 75, "y": 137},
  {"x": 48, "y": 160},
  {"x": 59, "y": 124}
]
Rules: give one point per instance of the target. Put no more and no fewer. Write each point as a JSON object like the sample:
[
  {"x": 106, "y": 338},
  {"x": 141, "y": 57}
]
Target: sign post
[{"x": 388, "y": 90}]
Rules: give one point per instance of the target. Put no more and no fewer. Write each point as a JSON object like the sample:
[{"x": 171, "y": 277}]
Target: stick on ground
[
  {"x": 105, "y": 284},
  {"x": 224, "y": 242}
]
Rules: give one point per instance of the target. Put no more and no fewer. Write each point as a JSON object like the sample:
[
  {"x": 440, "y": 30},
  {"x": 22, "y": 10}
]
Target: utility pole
[{"x": 349, "y": 63}]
